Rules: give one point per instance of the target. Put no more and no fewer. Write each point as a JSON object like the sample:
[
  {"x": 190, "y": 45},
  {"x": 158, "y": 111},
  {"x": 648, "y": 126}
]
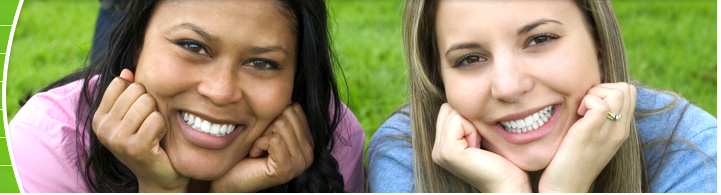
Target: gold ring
[{"x": 613, "y": 117}]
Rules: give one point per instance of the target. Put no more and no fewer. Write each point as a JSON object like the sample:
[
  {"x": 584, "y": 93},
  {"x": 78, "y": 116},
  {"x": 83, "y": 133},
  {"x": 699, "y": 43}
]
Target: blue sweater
[{"x": 390, "y": 157}]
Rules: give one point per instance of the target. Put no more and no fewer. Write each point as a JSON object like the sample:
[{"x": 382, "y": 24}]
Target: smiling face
[
  {"x": 228, "y": 65},
  {"x": 518, "y": 71}
]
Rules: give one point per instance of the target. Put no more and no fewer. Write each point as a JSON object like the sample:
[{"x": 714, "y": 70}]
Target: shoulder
[
  {"x": 348, "y": 142},
  {"x": 390, "y": 155},
  {"x": 679, "y": 141},
  {"x": 660, "y": 114},
  {"x": 42, "y": 136},
  {"x": 394, "y": 132}
]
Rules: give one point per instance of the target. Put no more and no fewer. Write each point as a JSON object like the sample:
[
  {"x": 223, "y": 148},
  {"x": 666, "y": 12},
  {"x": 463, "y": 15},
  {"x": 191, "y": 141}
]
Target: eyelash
[
  {"x": 269, "y": 64},
  {"x": 547, "y": 36},
  {"x": 186, "y": 43},
  {"x": 463, "y": 60}
]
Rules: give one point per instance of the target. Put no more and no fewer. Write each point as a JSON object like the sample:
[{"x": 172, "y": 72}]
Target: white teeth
[
  {"x": 197, "y": 124},
  {"x": 207, "y": 127},
  {"x": 223, "y": 129},
  {"x": 530, "y": 122},
  {"x": 521, "y": 124}
]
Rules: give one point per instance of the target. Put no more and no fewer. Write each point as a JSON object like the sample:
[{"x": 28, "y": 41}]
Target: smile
[
  {"x": 530, "y": 122},
  {"x": 205, "y": 126}
]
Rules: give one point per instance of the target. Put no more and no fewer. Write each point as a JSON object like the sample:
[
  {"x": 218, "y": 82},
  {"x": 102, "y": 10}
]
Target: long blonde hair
[{"x": 625, "y": 172}]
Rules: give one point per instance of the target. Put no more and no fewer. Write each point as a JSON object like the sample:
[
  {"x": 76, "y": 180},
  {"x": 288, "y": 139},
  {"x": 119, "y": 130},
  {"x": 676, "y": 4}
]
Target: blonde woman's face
[
  {"x": 517, "y": 70},
  {"x": 228, "y": 63}
]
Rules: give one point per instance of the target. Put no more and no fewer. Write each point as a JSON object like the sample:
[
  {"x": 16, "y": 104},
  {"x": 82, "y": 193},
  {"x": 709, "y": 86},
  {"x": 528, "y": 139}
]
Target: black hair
[{"x": 315, "y": 89}]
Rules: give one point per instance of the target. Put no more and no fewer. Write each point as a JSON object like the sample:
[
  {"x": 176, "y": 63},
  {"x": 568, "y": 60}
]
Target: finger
[
  {"x": 138, "y": 113},
  {"x": 301, "y": 131},
  {"x": 151, "y": 129},
  {"x": 304, "y": 134},
  {"x": 116, "y": 87},
  {"x": 301, "y": 115},
  {"x": 441, "y": 122},
  {"x": 471, "y": 134},
  {"x": 613, "y": 94},
  {"x": 125, "y": 100},
  {"x": 455, "y": 132},
  {"x": 277, "y": 150},
  {"x": 255, "y": 150},
  {"x": 288, "y": 135},
  {"x": 596, "y": 114},
  {"x": 127, "y": 75}
]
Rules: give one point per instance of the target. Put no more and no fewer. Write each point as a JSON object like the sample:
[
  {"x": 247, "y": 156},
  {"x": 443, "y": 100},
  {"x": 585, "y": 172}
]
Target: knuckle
[
  {"x": 617, "y": 93},
  {"x": 281, "y": 124},
  {"x": 147, "y": 100},
  {"x": 137, "y": 87},
  {"x": 118, "y": 82}
]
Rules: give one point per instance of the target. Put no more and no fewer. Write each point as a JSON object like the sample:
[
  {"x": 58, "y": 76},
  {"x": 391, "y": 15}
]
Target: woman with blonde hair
[{"x": 533, "y": 96}]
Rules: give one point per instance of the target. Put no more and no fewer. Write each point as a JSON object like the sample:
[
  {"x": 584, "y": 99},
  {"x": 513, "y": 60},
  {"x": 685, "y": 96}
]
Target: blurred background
[{"x": 671, "y": 45}]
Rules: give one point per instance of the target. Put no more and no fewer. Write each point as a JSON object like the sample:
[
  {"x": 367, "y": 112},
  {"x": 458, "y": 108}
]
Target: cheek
[
  {"x": 268, "y": 100},
  {"x": 467, "y": 94},
  {"x": 161, "y": 75}
]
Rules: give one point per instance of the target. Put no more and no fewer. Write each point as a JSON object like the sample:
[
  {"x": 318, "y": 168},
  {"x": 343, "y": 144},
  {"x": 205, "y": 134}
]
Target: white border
[{"x": 4, "y": 95}]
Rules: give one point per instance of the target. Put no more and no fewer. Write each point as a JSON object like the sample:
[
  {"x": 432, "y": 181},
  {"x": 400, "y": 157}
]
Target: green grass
[
  {"x": 52, "y": 39},
  {"x": 670, "y": 44}
]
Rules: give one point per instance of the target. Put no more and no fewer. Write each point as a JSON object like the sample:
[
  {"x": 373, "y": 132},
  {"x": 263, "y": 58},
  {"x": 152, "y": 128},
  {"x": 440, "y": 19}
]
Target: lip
[
  {"x": 203, "y": 140},
  {"x": 530, "y": 136}
]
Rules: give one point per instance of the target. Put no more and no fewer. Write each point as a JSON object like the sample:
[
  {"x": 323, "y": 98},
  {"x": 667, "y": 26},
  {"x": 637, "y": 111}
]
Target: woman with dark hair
[{"x": 197, "y": 96}]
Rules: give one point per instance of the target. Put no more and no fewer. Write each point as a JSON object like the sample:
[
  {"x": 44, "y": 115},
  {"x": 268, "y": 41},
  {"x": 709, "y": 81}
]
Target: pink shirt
[{"x": 42, "y": 138}]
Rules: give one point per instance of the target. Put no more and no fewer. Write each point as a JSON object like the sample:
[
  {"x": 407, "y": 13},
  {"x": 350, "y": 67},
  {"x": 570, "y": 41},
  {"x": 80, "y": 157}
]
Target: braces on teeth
[
  {"x": 207, "y": 127},
  {"x": 530, "y": 123}
]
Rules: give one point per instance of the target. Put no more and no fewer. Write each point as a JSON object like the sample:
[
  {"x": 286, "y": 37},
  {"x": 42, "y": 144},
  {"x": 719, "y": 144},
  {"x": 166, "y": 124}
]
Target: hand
[
  {"x": 289, "y": 147},
  {"x": 128, "y": 123},
  {"x": 457, "y": 149},
  {"x": 592, "y": 141}
]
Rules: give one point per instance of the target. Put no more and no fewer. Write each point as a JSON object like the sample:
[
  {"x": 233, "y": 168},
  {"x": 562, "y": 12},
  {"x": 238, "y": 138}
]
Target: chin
[
  {"x": 201, "y": 166},
  {"x": 535, "y": 166},
  {"x": 201, "y": 171},
  {"x": 533, "y": 162}
]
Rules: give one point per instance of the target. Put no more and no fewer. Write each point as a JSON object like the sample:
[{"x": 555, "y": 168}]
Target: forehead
[
  {"x": 501, "y": 16},
  {"x": 226, "y": 18}
]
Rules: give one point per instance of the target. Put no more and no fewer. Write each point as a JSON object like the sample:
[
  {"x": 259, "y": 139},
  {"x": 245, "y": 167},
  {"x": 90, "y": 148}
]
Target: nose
[
  {"x": 510, "y": 79},
  {"x": 221, "y": 86}
]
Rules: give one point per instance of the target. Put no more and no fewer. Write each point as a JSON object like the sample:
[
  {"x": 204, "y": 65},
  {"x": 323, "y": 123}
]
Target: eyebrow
[
  {"x": 527, "y": 28},
  {"x": 469, "y": 45},
  {"x": 198, "y": 30},
  {"x": 266, "y": 49}
]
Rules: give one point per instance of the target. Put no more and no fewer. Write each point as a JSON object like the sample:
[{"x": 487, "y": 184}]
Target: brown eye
[
  {"x": 541, "y": 39},
  {"x": 263, "y": 64},
  {"x": 193, "y": 46},
  {"x": 469, "y": 59}
]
